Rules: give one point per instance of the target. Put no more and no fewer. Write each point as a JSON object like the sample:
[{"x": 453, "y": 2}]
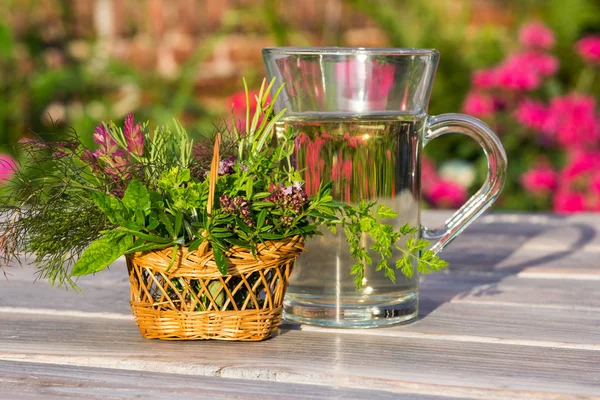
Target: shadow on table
[{"x": 485, "y": 254}]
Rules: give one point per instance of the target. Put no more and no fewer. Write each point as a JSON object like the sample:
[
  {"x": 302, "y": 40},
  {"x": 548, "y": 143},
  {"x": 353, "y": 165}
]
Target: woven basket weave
[{"x": 194, "y": 301}]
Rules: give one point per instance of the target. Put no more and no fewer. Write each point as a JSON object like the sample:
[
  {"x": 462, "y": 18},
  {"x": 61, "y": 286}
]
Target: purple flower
[
  {"x": 237, "y": 206},
  {"x": 134, "y": 135},
  {"x": 290, "y": 198},
  {"x": 226, "y": 166}
]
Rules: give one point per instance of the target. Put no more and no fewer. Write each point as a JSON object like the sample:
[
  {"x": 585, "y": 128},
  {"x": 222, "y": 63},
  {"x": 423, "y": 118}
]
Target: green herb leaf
[
  {"x": 173, "y": 257},
  {"x": 110, "y": 205},
  {"x": 136, "y": 196},
  {"x": 384, "y": 211},
  {"x": 148, "y": 247},
  {"x": 220, "y": 260},
  {"x": 261, "y": 219},
  {"x": 168, "y": 223},
  {"x": 249, "y": 188},
  {"x": 271, "y": 236},
  {"x": 152, "y": 222},
  {"x": 195, "y": 244},
  {"x": 237, "y": 242},
  {"x": 102, "y": 252}
]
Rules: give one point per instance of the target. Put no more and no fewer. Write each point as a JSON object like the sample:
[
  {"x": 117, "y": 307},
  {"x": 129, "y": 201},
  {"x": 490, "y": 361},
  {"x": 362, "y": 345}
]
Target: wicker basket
[{"x": 194, "y": 301}]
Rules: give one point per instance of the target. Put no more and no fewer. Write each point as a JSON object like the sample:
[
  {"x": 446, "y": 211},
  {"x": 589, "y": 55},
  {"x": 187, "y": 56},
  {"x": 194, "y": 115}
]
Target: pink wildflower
[
  {"x": 428, "y": 174},
  {"x": 568, "y": 201},
  {"x": 479, "y": 105},
  {"x": 589, "y": 48},
  {"x": 539, "y": 180},
  {"x": 8, "y": 166},
  {"x": 237, "y": 101},
  {"x": 512, "y": 76},
  {"x": 134, "y": 135},
  {"x": 524, "y": 71},
  {"x": 595, "y": 182},
  {"x": 573, "y": 122},
  {"x": 581, "y": 164},
  {"x": 484, "y": 78},
  {"x": 542, "y": 63},
  {"x": 444, "y": 193},
  {"x": 579, "y": 183},
  {"x": 103, "y": 138},
  {"x": 536, "y": 35},
  {"x": 531, "y": 114}
]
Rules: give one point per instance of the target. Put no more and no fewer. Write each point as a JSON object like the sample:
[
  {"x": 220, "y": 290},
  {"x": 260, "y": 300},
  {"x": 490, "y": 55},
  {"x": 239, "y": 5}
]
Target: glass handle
[{"x": 487, "y": 194}]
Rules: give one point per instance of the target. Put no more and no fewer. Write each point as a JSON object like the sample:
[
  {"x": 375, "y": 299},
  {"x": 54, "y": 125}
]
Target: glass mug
[{"x": 361, "y": 118}]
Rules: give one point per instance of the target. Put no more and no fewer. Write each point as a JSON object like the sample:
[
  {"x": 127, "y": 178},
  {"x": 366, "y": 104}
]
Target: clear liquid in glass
[{"x": 367, "y": 158}]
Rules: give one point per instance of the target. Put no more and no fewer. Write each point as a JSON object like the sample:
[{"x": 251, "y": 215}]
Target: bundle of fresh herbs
[{"x": 76, "y": 210}]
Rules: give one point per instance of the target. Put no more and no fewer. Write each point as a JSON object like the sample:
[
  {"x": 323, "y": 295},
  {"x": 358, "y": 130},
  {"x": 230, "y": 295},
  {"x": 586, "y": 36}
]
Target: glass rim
[{"x": 372, "y": 51}]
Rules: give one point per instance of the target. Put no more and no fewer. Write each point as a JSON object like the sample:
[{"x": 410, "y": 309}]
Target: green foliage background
[{"x": 27, "y": 91}]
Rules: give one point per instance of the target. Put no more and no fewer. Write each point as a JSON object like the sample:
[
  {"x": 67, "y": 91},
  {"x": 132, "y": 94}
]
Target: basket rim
[{"x": 240, "y": 259}]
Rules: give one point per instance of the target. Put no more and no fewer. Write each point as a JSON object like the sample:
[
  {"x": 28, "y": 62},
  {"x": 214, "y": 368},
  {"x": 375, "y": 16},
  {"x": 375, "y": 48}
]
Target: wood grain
[
  {"x": 359, "y": 360},
  {"x": 23, "y": 380},
  {"x": 533, "y": 324}
]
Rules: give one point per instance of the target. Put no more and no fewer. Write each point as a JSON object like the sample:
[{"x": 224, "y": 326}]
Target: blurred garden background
[{"x": 529, "y": 68}]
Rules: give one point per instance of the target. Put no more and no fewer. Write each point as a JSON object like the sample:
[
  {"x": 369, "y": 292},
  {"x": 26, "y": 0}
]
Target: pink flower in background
[
  {"x": 567, "y": 201},
  {"x": 536, "y": 35},
  {"x": 542, "y": 63},
  {"x": 134, "y": 135},
  {"x": 573, "y": 122},
  {"x": 525, "y": 71},
  {"x": 479, "y": 105},
  {"x": 581, "y": 164},
  {"x": 237, "y": 102},
  {"x": 444, "y": 193},
  {"x": 589, "y": 48},
  {"x": 531, "y": 114},
  {"x": 595, "y": 183},
  {"x": 8, "y": 166},
  {"x": 579, "y": 183},
  {"x": 428, "y": 174},
  {"x": 515, "y": 76},
  {"x": 484, "y": 78},
  {"x": 541, "y": 179}
]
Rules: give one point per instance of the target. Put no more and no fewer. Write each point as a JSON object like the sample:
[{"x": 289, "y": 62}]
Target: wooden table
[{"x": 516, "y": 316}]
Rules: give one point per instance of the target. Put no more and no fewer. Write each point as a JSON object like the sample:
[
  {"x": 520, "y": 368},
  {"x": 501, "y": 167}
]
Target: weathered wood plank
[
  {"x": 526, "y": 325},
  {"x": 23, "y": 380},
  {"x": 511, "y": 243},
  {"x": 541, "y": 293},
  {"x": 359, "y": 360},
  {"x": 437, "y": 289}
]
